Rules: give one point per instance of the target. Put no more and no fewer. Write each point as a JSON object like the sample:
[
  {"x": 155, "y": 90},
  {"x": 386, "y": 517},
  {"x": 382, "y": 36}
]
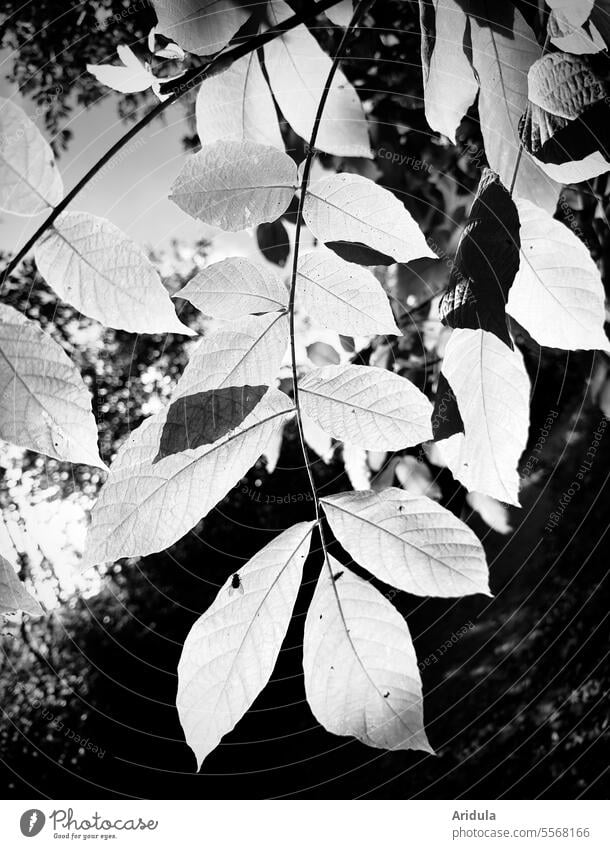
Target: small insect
[{"x": 236, "y": 585}]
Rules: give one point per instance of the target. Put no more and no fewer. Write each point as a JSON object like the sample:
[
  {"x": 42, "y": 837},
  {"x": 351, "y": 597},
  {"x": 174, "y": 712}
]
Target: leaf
[
  {"x": 234, "y": 287},
  {"x": 95, "y": 268},
  {"x": 369, "y": 407},
  {"x": 45, "y": 404},
  {"x": 348, "y": 207},
  {"x": 409, "y": 542},
  {"x": 204, "y": 417},
  {"x": 13, "y": 594},
  {"x": 503, "y": 49},
  {"x": 298, "y": 70},
  {"x": 316, "y": 439},
  {"x": 446, "y": 418},
  {"x": 341, "y": 13},
  {"x": 486, "y": 262},
  {"x": 356, "y": 466},
  {"x": 361, "y": 673},
  {"x": 245, "y": 352},
  {"x": 237, "y": 104},
  {"x": 492, "y": 391},
  {"x": 414, "y": 476},
  {"x": 565, "y": 124},
  {"x": 143, "y": 508},
  {"x": 129, "y": 77},
  {"x": 493, "y": 512},
  {"x": 200, "y": 26},
  {"x": 322, "y": 354},
  {"x": 450, "y": 86},
  {"x": 575, "y": 11},
  {"x": 29, "y": 179},
  {"x": 234, "y": 185},
  {"x": 273, "y": 242},
  {"x": 343, "y": 297},
  {"x": 359, "y": 253},
  {"x": 558, "y": 294},
  {"x": 573, "y": 38},
  {"x": 230, "y": 652},
  {"x": 564, "y": 85}
]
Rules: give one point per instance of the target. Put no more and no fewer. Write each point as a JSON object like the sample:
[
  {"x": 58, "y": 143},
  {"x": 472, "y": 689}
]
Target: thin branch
[
  {"x": 360, "y": 10},
  {"x": 220, "y": 62}
]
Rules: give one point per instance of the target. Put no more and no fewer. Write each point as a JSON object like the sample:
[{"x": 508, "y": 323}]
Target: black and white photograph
[{"x": 304, "y": 401}]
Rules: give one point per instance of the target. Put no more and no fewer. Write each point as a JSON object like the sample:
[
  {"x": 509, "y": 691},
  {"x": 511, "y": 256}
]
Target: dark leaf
[
  {"x": 273, "y": 242},
  {"x": 360, "y": 254},
  {"x": 446, "y": 418},
  {"x": 203, "y": 418},
  {"x": 486, "y": 263}
]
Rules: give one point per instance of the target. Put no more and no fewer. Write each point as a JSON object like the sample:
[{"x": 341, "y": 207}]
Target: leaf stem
[
  {"x": 220, "y": 62},
  {"x": 361, "y": 8}
]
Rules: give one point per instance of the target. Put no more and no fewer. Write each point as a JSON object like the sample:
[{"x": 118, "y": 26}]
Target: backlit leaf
[
  {"x": 13, "y": 594},
  {"x": 237, "y": 104},
  {"x": 298, "y": 69},
  {"x": 342, "y": 296},
  {"x": 29, "y": 179},
  {"x": 233, "y": 287},
  {"x": 234, "y": 185},
  {"x": 558, "y": 295},
  {"x": 97, "y": 269},
  {"x": 492, "y": 391},
  {"x": 450, "y": 86},
  {"x": 129, "y": 77},
  {"x": 348, "y": 207},
  {"x": 230, "y": 652},
  {"x": 369, "y": 407},
  {"x": 409, "y": 542},
  {"x": 341, "y": 13},
  {"x": 45, "y": 404},
  {"x": 361, "y": 673},
  {"x": 503, "y": 49},
  {"x": 200, "y": 26}
]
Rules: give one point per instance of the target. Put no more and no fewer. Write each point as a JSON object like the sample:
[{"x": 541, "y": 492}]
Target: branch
[
  {"x": 220, "y": 62},
  {"x": 360, "y": 10}
]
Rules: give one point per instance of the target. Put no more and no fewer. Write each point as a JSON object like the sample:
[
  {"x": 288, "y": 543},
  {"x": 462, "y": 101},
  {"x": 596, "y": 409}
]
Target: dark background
[{"x": 517, "y": 707}]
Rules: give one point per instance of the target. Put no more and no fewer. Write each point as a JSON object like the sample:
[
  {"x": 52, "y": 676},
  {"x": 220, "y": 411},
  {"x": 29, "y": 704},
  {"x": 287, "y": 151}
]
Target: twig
[
  {"x": 360, "y": 10},
  {"x": 220, "y": 62}
]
